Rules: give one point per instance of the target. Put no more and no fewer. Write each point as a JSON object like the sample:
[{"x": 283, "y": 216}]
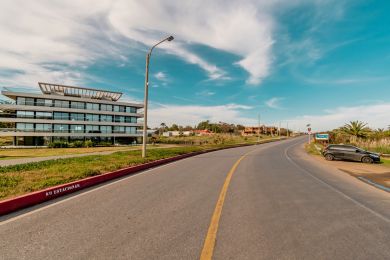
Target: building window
[
  {"x": 43, "y": 115},
  {"x": 131, "y": 130},
  {"x": 44, "y": 102},
  {"x": 61, "y": 116},
  {"x": 119, "y": 119},
  {"x": 119, "y": 129},
  {"x": 61, "y": 103},
  {"x": 130, "y": 119},
  {"x": 25, "y": 127},
  {"x": 92, "y": 106},
  {"x": 116, "y": 108},
  {"x": 131, "y": 110},
  {"x": 20, "y": 101},
  {"x": 25, "y": 114},
  {"x": 106, "y": 129},
  {"x": 105, "y": 107},
  {"x": 60, "y": 128},
  {"x": 77, "y": 128},
  {"x": 25, "y": 101},
  {"x": 42, "y": 127},
  {"x": 76, "y": 117},
  {"x": 106, "y": 118},
  {"x": 92, "y": 129},
  {"x": 91, "y": 117},
  {"x": 77, "y": 105}
]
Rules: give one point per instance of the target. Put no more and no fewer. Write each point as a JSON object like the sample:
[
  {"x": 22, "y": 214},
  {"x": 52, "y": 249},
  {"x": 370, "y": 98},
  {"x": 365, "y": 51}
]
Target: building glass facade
[{"x": 55, "y": 115}]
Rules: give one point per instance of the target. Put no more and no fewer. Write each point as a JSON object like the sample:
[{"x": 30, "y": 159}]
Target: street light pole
[{"x": 145, "y": 128}]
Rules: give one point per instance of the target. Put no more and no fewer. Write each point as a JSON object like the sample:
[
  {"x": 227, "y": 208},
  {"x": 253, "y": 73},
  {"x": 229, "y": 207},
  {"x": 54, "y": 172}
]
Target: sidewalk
[{"x": 46, "y": 158}]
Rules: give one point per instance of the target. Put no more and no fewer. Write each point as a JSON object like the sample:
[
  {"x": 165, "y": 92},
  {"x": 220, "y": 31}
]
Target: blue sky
[{"x": 322, "y": 62}]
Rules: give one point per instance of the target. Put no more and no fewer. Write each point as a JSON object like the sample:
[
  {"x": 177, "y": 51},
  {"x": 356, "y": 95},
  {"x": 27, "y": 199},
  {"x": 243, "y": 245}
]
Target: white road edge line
[{"x": 333, "y": 188}]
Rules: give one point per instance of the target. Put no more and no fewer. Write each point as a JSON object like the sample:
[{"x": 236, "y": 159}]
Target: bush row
[{"x": 77, "y": 144}]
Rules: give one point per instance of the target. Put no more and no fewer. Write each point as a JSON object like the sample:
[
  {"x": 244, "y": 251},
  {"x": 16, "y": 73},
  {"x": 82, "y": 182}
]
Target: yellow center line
[{"x": 209, "y": 244}]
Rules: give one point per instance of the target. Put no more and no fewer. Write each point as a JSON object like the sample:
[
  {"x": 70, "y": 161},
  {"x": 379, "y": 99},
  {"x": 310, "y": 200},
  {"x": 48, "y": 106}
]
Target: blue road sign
[{"x": 322, "y": 136}]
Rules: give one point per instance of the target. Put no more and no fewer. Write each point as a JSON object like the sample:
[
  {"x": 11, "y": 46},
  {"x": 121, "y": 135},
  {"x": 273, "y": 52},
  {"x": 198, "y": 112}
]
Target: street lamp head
[{"x": 170, "y": 38}]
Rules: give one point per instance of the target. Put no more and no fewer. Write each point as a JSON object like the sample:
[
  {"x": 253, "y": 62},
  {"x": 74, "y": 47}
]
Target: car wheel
[
  {"x": 367, "y": 160},
  {"x": 329, "y": 157}
]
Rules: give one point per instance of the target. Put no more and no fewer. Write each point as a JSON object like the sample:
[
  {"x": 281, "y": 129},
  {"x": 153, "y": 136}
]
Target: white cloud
[
  {"x": 377, "y": 116},
  {"x": 75, "y": 34},
  {"x": 161, "y": 76},
  {"x": 274, "y": 102},
  {"x": 192, "y": 115},
  {"x": 205, "y": 93}
]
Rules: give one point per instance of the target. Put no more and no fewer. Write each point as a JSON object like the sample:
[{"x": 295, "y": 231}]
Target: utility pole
[{"x": 145, "y": 129}]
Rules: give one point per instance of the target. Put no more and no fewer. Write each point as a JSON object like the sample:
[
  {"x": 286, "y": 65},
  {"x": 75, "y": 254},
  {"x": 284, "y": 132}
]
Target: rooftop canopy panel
[{"x": 56, "y": 89}]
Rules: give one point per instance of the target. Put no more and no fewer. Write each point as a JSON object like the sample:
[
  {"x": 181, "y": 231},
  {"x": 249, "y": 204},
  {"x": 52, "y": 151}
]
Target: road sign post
[{"x": 309, "y": 132}]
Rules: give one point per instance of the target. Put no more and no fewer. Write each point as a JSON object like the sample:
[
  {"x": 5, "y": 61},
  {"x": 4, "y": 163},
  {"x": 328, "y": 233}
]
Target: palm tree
[
  {"x": 356, "y": 129},
  {"x": 162, "y": 128}
]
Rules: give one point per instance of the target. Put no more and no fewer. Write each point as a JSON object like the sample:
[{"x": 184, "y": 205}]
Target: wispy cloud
[
  {"x": 161, "y": 76},
  {"x": 205, "y": 93},
  {"x": 274, "y": 102},
  {"x": 76, "y": 34},
  {"x": 376, "y": 115}
]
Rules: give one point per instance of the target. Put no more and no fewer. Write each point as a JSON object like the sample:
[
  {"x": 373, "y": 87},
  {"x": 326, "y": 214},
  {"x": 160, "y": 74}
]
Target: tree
[
  {"x": 163, "y": 126},
  {"x": 174, "y": 127},
  {"x": 204, "y": 125},
  {"x": 356, "y": 129}
]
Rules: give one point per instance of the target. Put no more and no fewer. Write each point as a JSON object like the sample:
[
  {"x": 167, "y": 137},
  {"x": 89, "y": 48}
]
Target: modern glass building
[{"x": 68, "y": 113}]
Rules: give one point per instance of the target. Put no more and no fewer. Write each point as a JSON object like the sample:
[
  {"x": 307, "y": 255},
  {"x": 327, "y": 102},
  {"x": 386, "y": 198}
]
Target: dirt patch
[{"x": 375, "y": 173}]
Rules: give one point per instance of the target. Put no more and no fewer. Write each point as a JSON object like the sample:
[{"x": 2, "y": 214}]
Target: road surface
[{"x": 280, "y": 204}]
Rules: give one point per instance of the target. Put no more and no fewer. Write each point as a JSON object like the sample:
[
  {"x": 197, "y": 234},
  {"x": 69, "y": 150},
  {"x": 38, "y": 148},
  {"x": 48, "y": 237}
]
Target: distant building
[
  {"x": 68, "y": 113},
  {"x": 255, "y": 130},
  {"x": 177, "y": 133},
  {"x": 203, "y": 132}
]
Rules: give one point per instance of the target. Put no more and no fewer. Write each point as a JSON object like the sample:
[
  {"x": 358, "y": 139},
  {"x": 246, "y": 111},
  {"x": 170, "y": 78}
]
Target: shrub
[
  {"x": 59, "y": 144},
  {"x": 77, "y": 144},
  {"x": 88, "y": 143}
]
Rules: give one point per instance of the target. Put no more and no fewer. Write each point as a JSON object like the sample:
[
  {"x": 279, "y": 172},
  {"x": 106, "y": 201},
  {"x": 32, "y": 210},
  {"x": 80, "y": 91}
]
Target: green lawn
[
  {"x": 42, "y": 152},
  {"x": 19, "y": 179}
]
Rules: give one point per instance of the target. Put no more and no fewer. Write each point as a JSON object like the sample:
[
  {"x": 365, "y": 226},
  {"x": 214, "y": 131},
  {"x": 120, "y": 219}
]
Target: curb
[{"x": 30, "y": 199}]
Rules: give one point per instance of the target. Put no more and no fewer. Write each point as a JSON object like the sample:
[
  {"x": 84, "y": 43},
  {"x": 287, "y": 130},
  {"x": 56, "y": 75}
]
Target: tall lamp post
[{"x": 145, "y": 134}]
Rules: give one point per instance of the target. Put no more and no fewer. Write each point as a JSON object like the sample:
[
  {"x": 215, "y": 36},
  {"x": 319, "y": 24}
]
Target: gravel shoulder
[{"x": 377, "y": 173}]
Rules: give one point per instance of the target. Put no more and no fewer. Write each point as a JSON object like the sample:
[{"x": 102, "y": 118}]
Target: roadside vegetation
[{"x": 359, "y": 134}]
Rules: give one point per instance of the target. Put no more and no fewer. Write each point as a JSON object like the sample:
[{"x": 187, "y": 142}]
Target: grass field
[
  {"x": 312, "y": 148},
  {"x": 43, "y": 152},
  {"x": 19, "y": 179}
]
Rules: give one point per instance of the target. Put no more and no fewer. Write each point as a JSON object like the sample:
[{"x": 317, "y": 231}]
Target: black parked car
[{"x": 350, "y": 153}]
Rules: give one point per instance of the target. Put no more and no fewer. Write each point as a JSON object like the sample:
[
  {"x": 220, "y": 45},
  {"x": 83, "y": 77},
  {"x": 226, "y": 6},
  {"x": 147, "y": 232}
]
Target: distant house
[
  {"x": 203, "y": 132},
  {"x": 255, "y": 130}
]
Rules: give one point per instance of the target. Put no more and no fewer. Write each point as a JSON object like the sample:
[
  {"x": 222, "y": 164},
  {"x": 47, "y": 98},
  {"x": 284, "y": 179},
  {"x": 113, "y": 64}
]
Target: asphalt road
[{"x": 280, "y": 204}]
